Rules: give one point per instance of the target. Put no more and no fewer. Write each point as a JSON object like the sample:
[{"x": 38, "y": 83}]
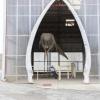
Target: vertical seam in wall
[
  {"x": 4, "y": 40},
  {"x": 16, "y": 38},
  {"x": 30, "y": 17},
  {"x": 42, "y": 5},
  {"x": 30, "y": 6},
  {"x": 85, "y": 15},
  {"x": 98, "y": 20}
]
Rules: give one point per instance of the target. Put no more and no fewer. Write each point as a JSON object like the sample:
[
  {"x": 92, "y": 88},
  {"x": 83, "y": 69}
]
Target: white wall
[{"x": 1, "y": 26}]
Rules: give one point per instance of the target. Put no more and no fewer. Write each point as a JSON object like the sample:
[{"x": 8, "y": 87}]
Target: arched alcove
[{"x": 60, "y": 19}]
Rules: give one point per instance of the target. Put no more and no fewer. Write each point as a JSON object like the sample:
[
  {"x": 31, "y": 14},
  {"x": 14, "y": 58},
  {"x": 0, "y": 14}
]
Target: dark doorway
[{"x": 61, "y": 23}]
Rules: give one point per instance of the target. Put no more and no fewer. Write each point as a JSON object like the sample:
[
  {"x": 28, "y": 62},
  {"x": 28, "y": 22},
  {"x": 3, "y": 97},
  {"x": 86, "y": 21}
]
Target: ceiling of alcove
[{"x": 68, "y": 38}]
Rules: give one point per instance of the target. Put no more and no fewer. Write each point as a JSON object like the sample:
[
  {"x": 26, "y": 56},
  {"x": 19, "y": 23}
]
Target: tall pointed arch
[{"x": 87, "y": 64}]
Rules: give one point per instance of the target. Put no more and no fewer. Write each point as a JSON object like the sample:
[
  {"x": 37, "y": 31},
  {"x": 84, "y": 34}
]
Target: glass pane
[
  {"x": 23, "y": 10},
  {"x": 33, "y": 21},
  {"x": 11, "y": 25},
  {"x": 80, "y": 67},
  {"x": 22, "y": 45},
  {"x": 99, "y": 63},
  {"x": 10, "y": 45},
  {"x": 23, "y": 25},
  {"x": 99, "y": 45},
  {"x": 11, "y": 10},
  {"x": 21, "y": 60},
  {"x": 11, "y": 2},
  {"x": 91, "y": 9},
  {"x": 21, "y": 71},
  {"x": 91, "y": 25},
  {"x": 21, "y": 78},
  {"x": 99, "y": 22},
  {"x": 11, "y": 65},
  {"x": 23, "y": 2},
  {"x": 99, "y": 3},
  {"x": 82, "y": 18},
  {"x": 93, "y": 41},
  {"x": 91, "y": 1},
  {"x": 94, "y": 65},
  {"x": 11, "y": 78},
  {"x": 36, "y": 2},
  {"x": 75, "y": 2},
  {"x": 80, "y": 10},
  {"x": 46, "y": 2},
  {"x": 36, "y": 10}
]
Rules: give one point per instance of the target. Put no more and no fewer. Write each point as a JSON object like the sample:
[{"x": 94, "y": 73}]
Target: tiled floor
[{"x": 41, "y": 91}]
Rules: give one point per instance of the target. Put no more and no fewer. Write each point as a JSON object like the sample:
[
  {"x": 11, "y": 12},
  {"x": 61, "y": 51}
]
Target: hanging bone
[{"x": 47, "y": 42}]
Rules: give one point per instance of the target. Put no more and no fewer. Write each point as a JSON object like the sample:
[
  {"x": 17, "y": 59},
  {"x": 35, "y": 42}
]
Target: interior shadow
[{"x": 60, "y": 21}]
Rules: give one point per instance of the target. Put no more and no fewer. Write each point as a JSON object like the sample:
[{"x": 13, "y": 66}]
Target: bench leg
[
  {"x": 67, "y": 75},
  {"x": 37, "y": 75},
  {"x": 73, "y": 70},
  {"x": 59, "y": 75}
]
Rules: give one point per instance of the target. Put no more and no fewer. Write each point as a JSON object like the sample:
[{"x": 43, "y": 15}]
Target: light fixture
[{"x": 70, "y": 22}]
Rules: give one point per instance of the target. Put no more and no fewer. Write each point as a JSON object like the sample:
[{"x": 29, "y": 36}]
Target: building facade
[{"x": 21, "y": 16}]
